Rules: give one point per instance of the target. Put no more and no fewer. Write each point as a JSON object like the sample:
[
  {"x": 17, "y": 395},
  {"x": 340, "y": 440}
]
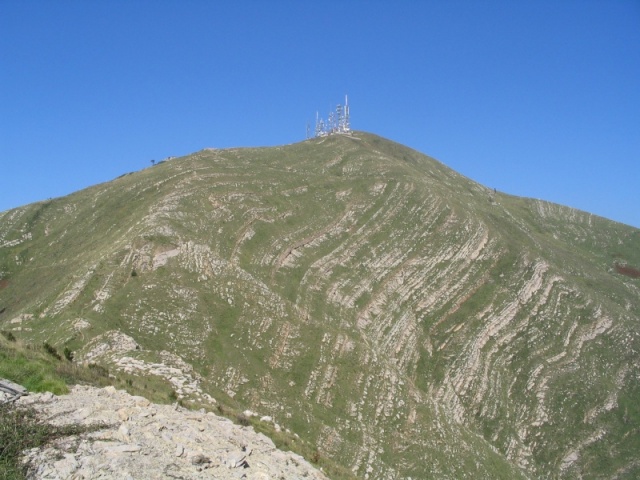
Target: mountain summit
[{"x": 405, "y": 320}]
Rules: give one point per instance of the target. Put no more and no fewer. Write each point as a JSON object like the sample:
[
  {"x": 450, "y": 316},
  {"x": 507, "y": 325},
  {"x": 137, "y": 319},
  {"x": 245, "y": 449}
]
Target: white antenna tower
[
  {"x": 347, "y": 123},
  {"x": 320, "y": 128},
  {"x": 337, "y": 122},
  {"x": 332, "y": 123}
]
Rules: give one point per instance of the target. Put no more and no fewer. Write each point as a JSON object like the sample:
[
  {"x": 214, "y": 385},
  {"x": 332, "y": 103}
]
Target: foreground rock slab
[
  {"x": 9, "y": 391},
  {"x": 142, "y": 440}
]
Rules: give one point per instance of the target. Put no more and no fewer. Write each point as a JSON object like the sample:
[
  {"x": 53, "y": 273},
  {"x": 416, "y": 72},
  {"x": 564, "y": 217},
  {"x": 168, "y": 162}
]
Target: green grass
[{"x": 31, "y": 367}]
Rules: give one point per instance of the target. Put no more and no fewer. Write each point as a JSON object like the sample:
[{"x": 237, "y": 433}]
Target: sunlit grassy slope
[{"x": 406, "y": 320}]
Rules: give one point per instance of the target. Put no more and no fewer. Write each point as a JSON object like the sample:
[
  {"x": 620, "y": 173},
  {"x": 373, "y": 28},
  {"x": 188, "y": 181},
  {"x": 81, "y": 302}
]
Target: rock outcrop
[
  {"x": 142, "y": 440},
  {"x": 9, "y": 391}
]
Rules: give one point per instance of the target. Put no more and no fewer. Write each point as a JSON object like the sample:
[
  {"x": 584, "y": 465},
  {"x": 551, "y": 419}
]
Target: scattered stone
[
  {"x": 142, "y": 402},
  {"x": 199, "y": 459},
  {"x": 111, "y": 390},
  {"x": 66, "y": 466},
  {"x": 124, "y": 448},
  {"x": 46, "y": 397},
  {"x": 124, "y": 433},
  {"x": 236, "y": 459}
]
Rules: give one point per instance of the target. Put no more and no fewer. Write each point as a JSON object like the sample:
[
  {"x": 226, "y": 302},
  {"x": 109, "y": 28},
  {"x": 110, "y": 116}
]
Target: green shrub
[
  {"x": 51, "y": 350},
  {"x": 8, "y": 335},
  {"x": 68, "y": 354},
  {"x": 99, "y": 370},
  {"x": 242, "y": 419}
]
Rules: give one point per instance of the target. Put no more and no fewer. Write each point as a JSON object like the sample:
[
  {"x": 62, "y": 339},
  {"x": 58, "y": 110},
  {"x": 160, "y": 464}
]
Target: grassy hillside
[{"x": 402, "y": 318}]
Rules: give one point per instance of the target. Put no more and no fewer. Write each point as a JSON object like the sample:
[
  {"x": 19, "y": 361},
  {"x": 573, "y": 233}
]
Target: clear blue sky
[{"x": 534, "y": 98}]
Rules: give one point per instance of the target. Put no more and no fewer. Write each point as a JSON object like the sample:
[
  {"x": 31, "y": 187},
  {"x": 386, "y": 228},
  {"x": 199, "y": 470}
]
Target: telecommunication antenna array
[{"x": 338, "y": 121}]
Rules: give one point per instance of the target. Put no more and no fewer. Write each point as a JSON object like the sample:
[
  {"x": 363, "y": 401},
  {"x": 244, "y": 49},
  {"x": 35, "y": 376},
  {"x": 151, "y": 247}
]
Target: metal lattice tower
[
  {"x": 337, "y": 122},
  {"x": 320, "y": 128},
  {"x": 346, "y": 125}
]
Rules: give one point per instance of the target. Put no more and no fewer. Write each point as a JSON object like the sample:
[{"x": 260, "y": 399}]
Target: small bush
[
  {"x": 628, "y": 271},
  {"x": 68, "y": 354},
  {"x": 8, "y": 335},
  {"x": 51, "y": 350},
  {"x": 99, "y": 370},
  {"x": 242, "y": 419},
  {"x": 315, "y": 456}
]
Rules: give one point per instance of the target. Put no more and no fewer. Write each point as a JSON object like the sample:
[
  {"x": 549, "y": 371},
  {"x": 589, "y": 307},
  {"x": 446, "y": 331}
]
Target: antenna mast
[
  {"x": 337, "y": 122},
  {"x": 347, "y": 122}
]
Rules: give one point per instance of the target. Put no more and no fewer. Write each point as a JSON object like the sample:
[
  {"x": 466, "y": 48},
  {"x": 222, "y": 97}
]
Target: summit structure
[{"x": 337, "y": 121}]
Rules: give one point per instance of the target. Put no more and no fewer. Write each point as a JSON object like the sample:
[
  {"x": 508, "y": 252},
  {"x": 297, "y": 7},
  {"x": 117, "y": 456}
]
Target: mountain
[{"x": 404, "y": 319}]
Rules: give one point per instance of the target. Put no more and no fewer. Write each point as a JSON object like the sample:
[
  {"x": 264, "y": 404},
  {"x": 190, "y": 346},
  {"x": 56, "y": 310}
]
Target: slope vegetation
[{"x": 406, "y": 320}]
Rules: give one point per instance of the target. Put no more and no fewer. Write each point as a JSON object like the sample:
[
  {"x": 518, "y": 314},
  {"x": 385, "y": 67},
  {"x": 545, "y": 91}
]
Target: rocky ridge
[{"x": 142, "y": 440}]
